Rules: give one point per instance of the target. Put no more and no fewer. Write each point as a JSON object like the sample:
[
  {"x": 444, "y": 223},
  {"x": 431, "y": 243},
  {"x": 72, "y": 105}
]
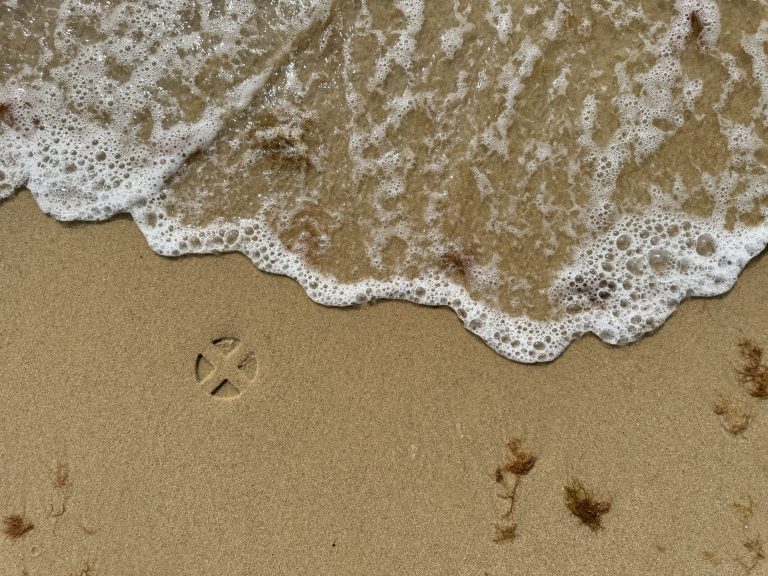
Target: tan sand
[{"x": 368, "y": 439}]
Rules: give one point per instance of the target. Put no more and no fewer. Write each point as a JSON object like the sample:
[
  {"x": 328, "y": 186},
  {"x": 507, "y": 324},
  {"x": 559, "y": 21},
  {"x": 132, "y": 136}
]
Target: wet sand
[{"x": 366, "y": 441}]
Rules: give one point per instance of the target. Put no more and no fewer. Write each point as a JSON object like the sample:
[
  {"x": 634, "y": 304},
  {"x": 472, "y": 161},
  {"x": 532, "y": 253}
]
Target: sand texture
[{"x": 353, "y": 441}]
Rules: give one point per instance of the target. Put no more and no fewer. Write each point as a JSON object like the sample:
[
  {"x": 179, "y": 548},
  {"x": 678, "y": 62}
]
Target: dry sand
[{"x": 368, "y": 439}]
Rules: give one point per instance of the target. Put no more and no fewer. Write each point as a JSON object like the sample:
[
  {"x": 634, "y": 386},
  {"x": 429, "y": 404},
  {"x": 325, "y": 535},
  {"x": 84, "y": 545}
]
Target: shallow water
[{"x": 544, "y": 168}]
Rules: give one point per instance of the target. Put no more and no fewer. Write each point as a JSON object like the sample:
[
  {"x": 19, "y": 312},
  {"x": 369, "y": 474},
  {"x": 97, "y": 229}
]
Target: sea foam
[{"x": 546, "y": 169}]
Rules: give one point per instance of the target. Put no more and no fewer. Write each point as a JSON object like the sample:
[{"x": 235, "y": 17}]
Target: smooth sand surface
[{"x": 366, "y": 442}]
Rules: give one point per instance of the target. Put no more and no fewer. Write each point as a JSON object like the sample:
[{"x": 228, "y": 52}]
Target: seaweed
[
  {"x": 744, "y": 509},
  {"x": 454, "y": 261},
  {"x": 735, "y": 420},
  {"x": 6, "y": 115},
  {"x": 697, "y": 26},
  {"x": 505, "y": 533},
  {"x": 61, "y": 478},
  {"x": 303, "y": 233},
  {"x": 521, "y": 463},
  {"x": 753, "y": 373},
  {"x": 517, "y": 464},
  {"x": 755, "y": 548},
  {"x": 284, "y": 143},
  {"x": 16, "y": 525},
  {"x": 585, "y": 505},
  {"x": 62, "y": 483}
]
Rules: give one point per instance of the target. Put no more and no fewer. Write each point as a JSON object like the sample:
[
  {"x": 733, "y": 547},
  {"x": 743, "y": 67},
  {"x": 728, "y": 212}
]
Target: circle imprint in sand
[{"x": 225, "y": 368}]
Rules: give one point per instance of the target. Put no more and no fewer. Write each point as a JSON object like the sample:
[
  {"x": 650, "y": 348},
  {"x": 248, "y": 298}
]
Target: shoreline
[{"x": 366, "y": 438}]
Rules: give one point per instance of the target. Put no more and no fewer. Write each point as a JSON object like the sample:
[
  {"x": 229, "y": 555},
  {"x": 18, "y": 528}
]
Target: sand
[{"x": 366, "y": 441}]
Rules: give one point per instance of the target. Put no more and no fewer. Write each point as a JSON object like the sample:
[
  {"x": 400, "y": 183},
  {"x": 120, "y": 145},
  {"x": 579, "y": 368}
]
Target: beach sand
[{"x": 368, "y": 438}]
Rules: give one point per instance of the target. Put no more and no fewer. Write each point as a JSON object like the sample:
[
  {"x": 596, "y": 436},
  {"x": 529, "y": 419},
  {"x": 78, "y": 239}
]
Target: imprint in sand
[{"x": 225, "y": 368}]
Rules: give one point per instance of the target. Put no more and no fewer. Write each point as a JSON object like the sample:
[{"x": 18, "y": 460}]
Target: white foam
[{"x": 76, "y": 143}]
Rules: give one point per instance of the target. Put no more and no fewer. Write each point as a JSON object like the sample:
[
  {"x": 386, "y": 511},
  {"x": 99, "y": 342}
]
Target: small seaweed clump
[
  {"x": 505, "y": 532},
  {"x": 755, "y": 548},
  {"x": 61, "y": 479},
  {"x": 585, "y": 505},
  {"x": 15, "y": 526},
  {"x": 62, "y": 482},
  {"x": 521, "y": 462},
  {"x": 753, "y": 372},
  {"x": 697, "y": 26},
  {"x": 6, "y": 115},
  {"x": 735, "y": 420},
  {"x": 456, "y": 262},
  {"x": 744, "y": 508},
  {"x": 517, "y": 464}
]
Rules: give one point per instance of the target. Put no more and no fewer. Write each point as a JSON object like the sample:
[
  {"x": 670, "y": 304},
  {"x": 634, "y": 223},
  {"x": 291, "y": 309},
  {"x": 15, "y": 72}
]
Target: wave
[{"x": 544, "y": 169}]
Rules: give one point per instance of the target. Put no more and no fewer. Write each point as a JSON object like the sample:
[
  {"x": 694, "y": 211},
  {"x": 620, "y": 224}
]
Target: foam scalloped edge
[{"x": 520, "y": 339}]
